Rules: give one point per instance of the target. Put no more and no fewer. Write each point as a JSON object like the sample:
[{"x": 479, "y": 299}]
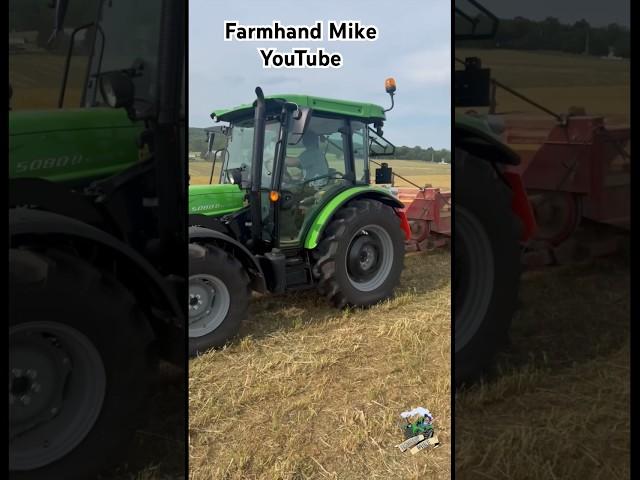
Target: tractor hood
[
  {"x": 39, "y": 121},
  {"x": 71, "y": 145},
  {"x": 215, "y": 199}
]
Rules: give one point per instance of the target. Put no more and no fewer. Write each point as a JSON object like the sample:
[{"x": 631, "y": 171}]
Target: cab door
[{"x": 316, "y": 167}]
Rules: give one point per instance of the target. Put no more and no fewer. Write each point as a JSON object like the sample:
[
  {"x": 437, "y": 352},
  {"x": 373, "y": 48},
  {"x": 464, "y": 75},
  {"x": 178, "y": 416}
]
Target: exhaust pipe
[{"x": 259, "y": 122}]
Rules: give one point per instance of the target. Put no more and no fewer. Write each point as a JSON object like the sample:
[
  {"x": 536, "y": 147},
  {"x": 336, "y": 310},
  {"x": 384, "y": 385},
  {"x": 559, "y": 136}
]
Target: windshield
[
  {"x": 240, "y": 148},
  {"x": 128, "y": 36},
  {"x": 131, "y": 40},
  {"x": 37, "y": 57}
]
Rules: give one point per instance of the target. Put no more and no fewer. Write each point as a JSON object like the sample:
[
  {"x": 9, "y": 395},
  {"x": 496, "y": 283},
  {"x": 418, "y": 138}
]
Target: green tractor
[
  {"x": 492, "y": 212},
  {"x": 97, "y": 195},
  {"x": 294, "y": 209}
]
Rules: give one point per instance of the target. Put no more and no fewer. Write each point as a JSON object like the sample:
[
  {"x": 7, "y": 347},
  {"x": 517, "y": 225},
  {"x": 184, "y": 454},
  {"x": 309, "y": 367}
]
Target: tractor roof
[{"x": 367, "y": 112}]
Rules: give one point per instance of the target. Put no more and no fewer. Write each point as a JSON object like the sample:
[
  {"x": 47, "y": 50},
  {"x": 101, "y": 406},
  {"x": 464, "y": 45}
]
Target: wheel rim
[
  {"x": 473, "y": 276},
  {"x": 369, "y": 258},
  {"x": 209, "y": 302},
  {"x": 57, "y": 384}
]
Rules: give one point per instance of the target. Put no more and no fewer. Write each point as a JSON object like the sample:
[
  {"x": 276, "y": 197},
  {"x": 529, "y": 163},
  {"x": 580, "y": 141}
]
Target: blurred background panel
[
  {"x": 542, "y": 142},
  {"x": 97, "y": 253}
]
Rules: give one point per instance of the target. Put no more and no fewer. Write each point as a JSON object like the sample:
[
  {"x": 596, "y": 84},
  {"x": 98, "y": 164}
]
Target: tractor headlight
[{"x": 117, "y": 89}]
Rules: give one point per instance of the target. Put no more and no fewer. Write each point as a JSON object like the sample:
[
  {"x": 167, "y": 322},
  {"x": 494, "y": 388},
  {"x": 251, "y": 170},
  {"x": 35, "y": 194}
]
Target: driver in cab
[{"x": 311, "y": 161}]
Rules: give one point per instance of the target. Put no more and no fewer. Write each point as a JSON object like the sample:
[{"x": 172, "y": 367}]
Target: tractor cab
[{"x": 311, "y": 149}]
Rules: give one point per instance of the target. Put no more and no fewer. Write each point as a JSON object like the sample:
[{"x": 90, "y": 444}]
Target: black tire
[
  {"x": 77, "y": 301},
  {"x": 486, "y": 265},
  {"x": 216, "y": 265},
  {"x": 332, "y": 256}
]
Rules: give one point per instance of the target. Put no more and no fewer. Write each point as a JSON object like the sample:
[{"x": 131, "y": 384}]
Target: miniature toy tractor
[{"x": 294, "y": 209}]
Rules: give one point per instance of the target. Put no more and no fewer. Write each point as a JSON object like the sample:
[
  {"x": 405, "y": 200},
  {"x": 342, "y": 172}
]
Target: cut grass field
[
  {"x": 307, "y": 391},
  {"x": 559, "y": 81},
  {"x": 557, "y": 405},
  {"x": 158, "y": 445},
  {"x": 36, "y": 78},
  {"x": 417, "y": 171}
]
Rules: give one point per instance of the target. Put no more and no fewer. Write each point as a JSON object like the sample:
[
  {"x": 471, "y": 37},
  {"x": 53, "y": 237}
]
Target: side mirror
[
  {"x": 117, "y": 89},
  {"x": 472, "y": 86},
  {"x": 299, "y": 122},
  {"x": 384, "y": 174}
]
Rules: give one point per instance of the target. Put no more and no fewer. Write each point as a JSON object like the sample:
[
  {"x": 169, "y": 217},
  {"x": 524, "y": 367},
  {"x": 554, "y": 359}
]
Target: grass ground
[
  {"x": 158, "y": 446},
  {"x": 311, "y": 392},
  {"x": 557, "y": 405}
]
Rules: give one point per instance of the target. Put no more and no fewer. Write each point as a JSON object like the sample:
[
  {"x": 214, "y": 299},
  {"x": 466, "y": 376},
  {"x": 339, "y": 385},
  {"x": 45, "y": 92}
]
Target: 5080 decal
[{"x": 47, "y": 163}]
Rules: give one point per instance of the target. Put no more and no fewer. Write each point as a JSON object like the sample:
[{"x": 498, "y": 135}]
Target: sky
[{"x": 413, "y": 46}]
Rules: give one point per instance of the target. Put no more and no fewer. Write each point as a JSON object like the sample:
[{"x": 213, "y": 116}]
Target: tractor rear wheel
[
  {"x": 360, "y": 256},
  {"x": 486, "y": 265},
  {"x": 218, "y": 298}
]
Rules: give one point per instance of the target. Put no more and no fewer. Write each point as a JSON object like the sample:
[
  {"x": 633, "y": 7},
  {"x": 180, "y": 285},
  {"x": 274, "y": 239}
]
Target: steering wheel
[{"x": 333, "y": 175}]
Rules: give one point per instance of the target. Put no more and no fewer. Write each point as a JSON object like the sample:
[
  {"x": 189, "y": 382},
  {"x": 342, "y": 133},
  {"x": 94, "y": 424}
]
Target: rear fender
[
  {"x": 482, "y": 144},
  {"x": 29, "y": 226},
  {"x": 322, "y": 219},
  {"x": 54, "y": 197},
  {"x": 487, "y": 147}
]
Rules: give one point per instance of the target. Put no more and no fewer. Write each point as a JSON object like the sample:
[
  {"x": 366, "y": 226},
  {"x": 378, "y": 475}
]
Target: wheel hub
[
  {"x": 209, "y": 302},
  {"x": 37, "y": 377},
  {"x": 369, "y": 258},
  {"x": 56, "y": 389},
  {"x": 364, "y": 256},
  {"x": 195, "y": 301}
]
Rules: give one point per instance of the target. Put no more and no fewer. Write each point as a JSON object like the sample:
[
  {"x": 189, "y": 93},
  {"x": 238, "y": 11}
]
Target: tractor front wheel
[
  {"x": 80, "y": 363},
  {"x": 218, "y": 298},
  {"x": 360, "y": 256}
]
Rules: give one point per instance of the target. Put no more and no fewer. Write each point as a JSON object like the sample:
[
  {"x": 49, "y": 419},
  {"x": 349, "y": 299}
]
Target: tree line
[{"x": 550, "y": 34}]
